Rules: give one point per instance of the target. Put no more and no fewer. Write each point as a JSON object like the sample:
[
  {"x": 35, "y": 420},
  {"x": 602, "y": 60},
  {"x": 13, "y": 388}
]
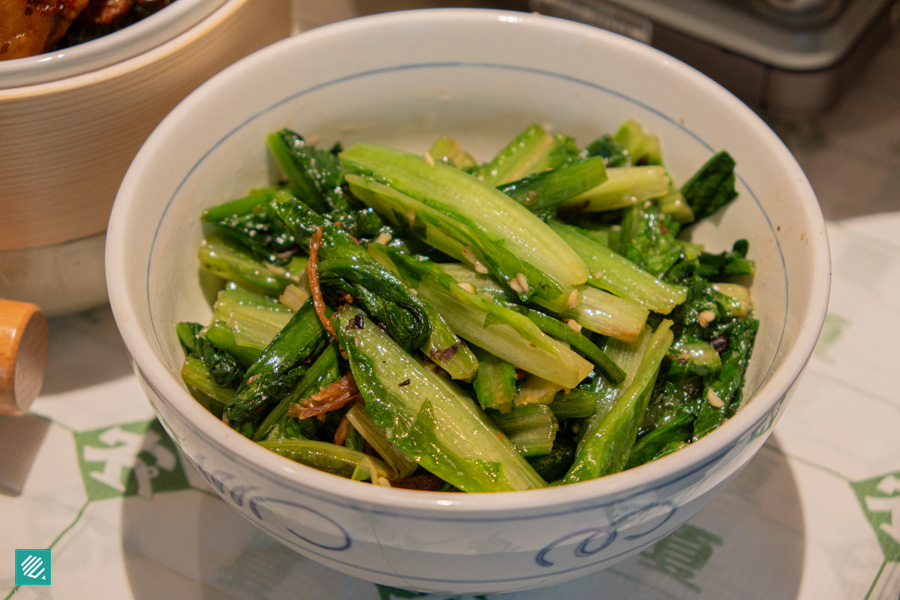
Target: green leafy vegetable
[
  {"x": 712, "y": 186},
  {"x": 428, "y": 418},
  {"x": 441, "y": 322}
]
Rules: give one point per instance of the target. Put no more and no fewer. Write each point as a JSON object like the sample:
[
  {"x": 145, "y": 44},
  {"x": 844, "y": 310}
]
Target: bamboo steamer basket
[{"x": 66, "y": 143}]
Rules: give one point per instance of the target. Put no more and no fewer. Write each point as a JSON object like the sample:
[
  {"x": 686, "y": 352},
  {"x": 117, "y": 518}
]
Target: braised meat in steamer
[{"x": 30, "y": 27}]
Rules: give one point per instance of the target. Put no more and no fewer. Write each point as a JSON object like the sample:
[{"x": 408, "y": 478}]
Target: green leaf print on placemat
[
  {"x": 682, "y": 554},
  {"x": 389, "y": 593},
  {"x": 880, "y": 500},
  {"x": 129, "y": 460},
  {"x": 832, "y": 329}
]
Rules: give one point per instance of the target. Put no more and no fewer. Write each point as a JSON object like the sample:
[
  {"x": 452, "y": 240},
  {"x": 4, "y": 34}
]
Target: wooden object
[{"x": 23, "y": 355}]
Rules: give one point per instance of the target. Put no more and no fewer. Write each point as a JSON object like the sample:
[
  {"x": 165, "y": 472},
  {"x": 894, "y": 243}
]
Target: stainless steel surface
[
  {"x": 799, "y": 12},
  {"x": 805, "y": 39},
  {"x": 851, "y": 154},
  {"x": 790, "y": 59}
]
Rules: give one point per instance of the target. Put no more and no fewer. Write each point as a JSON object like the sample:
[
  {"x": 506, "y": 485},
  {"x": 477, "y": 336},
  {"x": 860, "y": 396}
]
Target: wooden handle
[{"x": 23, "y": 355}]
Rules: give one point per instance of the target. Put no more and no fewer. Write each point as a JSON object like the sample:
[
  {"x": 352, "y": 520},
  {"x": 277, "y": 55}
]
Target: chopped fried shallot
[
  {"x": 312, "y": 272},
  {"x": 331, "y": 398},
  {"x": 340, "y": 434}
]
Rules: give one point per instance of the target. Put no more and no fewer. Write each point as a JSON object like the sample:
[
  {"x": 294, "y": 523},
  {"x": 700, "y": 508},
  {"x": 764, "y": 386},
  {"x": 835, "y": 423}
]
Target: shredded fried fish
[
  {"x": 331, "y": 398},
  {"x": 312, "y": 273}
]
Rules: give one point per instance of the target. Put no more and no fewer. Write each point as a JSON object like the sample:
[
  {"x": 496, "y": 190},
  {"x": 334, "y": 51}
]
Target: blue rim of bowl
[{"x": 333, "y": 553}]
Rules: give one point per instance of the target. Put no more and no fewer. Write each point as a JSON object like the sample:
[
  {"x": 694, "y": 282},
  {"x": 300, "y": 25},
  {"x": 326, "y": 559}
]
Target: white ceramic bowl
[
  {"x": 482, "y": 76},
  {"x": 71, "y": 122}
]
